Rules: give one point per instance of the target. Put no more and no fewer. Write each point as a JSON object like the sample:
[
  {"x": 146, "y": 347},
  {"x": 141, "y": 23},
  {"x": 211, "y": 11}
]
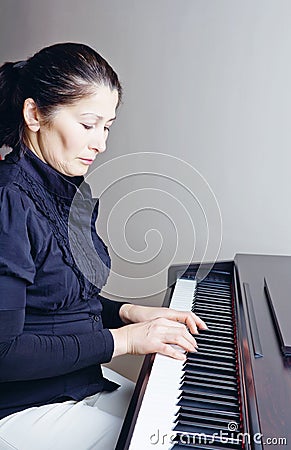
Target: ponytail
[{"x": 11, "y": 104}]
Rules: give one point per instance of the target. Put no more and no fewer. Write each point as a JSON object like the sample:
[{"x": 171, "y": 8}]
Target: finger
[
  {"x": 180, "y": 337},
  {"x": 190, "y": 338},
  {"x": 182, "y": 320},
  {"x": 177, "y": 323},
  {"x": 172, "y": 332},
  {"x": 188, "y": 319},
  {"x": 172, "y": 351},
  {"x": 199, "y": 322},
  {"x": 194, "y": 323},
  {"x": 185, "y": 343}
]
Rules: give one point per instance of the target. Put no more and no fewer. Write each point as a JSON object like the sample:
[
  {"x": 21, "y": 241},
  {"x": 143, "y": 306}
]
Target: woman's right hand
[{"x": 154, "y": 336}]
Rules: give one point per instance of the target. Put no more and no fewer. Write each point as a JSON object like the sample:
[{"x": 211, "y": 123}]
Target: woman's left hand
[{"x": 135, "y": 313}]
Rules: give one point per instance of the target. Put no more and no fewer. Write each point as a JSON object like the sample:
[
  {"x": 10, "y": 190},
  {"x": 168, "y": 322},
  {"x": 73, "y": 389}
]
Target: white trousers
[{"x": 93, "y": 423}]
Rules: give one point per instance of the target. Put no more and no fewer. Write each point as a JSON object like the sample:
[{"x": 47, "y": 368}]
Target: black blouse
[{"x": 53, "y": 322}]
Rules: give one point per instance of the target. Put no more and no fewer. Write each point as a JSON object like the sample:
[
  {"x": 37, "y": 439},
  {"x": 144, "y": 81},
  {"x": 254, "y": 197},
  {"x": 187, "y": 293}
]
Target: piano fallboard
[{"x": 240, "y": 378}]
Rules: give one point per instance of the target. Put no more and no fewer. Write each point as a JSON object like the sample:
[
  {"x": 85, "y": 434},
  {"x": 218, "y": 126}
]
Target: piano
[{"x": 235, "y": 391}]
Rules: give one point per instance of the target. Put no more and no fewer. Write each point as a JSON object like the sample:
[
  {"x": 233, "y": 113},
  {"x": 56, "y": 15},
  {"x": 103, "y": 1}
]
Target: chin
[{"x": 79, "y": 172}]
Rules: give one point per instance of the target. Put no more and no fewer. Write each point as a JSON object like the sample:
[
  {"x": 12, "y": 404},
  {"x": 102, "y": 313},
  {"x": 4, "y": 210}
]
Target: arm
[
  {"x": 27, "y": 356},
  {"x": 23, "y": 355},
  {"x": 111, "y": 316}
]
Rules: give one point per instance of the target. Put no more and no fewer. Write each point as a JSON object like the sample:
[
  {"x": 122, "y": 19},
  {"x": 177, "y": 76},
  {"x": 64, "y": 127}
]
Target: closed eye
[
  {"x": 90, "y": 127},
  {"x": 87, "y": 127}
]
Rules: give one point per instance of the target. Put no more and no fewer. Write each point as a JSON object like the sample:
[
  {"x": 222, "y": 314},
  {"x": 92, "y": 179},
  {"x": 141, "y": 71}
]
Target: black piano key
[
  {"x": 198, "y": 444},
  {"x": 232, "y": 416},
  {"x": 204, "y": 367},
  {"x": 195, "y": 392},
  {"x": 223, "y": 296},
  {"x": 217, "y": 309},
  {"x": 214, "y": 366},
  {"x": 216, "y": 318},
  {"x": 210, "y": 396},
  {"x": 206, "y": 293},
  {"x": 205, "y": 403},
  {"x": 212, "y": 333},
  {"x": 201, "y": 286},
  {"x": 223, "y": 279},
  {"x": 219, "y": 291},
  {"x": 205, "y": 375},
  {"x": 213, "y": 322},
  {"x": 219, "y": 329},
  {"x": 197, "y": 420},
  {"x": 217, "y": 349},
  {"x": 187, "y": 426},
  {"x": 208, "y": 387},
  {"x": 211, "y": 434},
  {"x": 214, "y": 283},
  {"x": 217, "y": 325},
  {"x": 216, "y": 314},
  {"x": 214, "y": 343},
  {"x": 215, "y": 336},
  {"x": 212, "y": 294},
  {"x": 220, "y": 440},
  {"x": 212, "y": 303},
  {"x": 211, "y": 379},
  {"x": 209, "y": 356},
  {"x": 223, "y": 415},
  {"x": 214, "y": 381}
]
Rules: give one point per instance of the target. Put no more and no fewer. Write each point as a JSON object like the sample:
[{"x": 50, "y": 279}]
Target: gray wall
[{"x": 205, "y": 81}]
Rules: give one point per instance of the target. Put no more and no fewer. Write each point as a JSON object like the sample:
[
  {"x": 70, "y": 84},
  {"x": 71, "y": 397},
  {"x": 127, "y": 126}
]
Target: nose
[{"x": 98, "y": 142}]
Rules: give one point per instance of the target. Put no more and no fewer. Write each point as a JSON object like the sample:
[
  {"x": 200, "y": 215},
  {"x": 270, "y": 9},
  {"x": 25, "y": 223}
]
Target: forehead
[{"x": 102, "y": 102}]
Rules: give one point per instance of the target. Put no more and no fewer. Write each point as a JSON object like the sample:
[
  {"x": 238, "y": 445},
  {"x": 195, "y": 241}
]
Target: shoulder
[
  {"x": 9, "y": 173},
  {"x": 12, "y": 198}
]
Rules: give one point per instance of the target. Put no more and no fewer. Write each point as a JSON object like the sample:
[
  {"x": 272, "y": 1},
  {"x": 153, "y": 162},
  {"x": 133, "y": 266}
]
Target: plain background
[{"x": 206, "y": 82}]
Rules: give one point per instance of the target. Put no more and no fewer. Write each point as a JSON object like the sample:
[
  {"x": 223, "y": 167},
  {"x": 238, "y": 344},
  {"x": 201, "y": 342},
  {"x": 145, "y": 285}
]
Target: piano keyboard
[{"x": 194, "y": 404}]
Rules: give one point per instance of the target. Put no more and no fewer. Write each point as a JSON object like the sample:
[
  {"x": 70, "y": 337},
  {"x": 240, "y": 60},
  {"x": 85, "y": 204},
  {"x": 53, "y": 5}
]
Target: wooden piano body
[{"x": 260, "y": 288}]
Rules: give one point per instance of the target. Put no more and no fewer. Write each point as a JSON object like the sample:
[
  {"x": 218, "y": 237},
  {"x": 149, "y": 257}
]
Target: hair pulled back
[{"x": 57, "y": 75}]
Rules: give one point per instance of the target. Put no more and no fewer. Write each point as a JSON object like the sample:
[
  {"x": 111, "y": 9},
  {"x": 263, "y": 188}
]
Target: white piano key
[{"x": 153, "y": 429}]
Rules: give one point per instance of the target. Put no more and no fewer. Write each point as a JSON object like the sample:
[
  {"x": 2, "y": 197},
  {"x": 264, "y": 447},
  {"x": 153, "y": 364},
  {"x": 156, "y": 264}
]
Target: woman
[{"x": 56, "y": 329}]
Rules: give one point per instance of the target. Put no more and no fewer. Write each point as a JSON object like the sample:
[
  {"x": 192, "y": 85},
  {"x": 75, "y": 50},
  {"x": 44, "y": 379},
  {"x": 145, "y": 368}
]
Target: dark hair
[{"x": 55, "y": 76}]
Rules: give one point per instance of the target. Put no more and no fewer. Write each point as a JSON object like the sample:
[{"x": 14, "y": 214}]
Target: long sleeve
[
  {"x": 25, "y": 356},
  {"x": 52, "y": 338},
  {"x": 110, "y": 313}
]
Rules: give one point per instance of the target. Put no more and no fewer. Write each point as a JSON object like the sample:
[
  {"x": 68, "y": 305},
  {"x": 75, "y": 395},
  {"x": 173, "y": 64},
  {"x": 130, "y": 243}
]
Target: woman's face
[{"x": 76, "y": 133}]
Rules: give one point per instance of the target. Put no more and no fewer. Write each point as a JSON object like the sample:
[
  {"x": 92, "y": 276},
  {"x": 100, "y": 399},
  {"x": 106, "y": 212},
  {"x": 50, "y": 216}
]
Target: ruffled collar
[
  {"x": 53, "y": 181},
  {"x": 68, "y": 204}
]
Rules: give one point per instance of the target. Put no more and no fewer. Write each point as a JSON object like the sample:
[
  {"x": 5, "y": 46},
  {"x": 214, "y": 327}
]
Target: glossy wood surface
[{"x": 264, "y": 372}]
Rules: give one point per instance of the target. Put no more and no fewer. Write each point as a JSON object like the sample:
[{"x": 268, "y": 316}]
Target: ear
[{"x": 31, "y": 115}]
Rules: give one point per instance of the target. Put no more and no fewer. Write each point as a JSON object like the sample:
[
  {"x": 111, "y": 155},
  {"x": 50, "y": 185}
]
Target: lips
[{"x": 86, "y": 160}]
